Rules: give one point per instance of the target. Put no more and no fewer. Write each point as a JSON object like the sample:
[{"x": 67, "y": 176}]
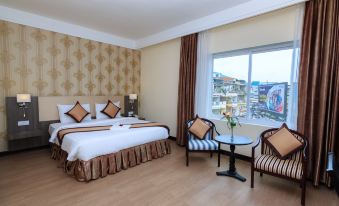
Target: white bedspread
[{"x": 87, "y": 145}]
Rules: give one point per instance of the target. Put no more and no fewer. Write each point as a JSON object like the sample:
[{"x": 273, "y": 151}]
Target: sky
[{"x": 272, "y": 66}]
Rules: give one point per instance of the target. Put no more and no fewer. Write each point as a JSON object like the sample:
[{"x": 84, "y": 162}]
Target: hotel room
[{"x": 145, "y": 102}]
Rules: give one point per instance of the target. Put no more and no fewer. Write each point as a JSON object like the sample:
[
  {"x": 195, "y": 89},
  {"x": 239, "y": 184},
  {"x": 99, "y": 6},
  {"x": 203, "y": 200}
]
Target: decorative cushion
[
  {"x": 273, "y": 164},
  {"x": 64, "y": 118},
  {"x": 283, "y": 142},
  {"x": 100, "y": 107},
  {"x": 78, "y": 113},
  {"x": 111, "y": 110},
  {"x": 196, "y": 144},
  {"x": 199, "y": 128}
]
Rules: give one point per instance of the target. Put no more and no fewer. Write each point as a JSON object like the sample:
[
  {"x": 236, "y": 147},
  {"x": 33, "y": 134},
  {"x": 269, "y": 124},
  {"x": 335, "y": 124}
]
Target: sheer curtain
[
  {"x": 293, "y": 92},
  {"x": 203, "y": 87}
]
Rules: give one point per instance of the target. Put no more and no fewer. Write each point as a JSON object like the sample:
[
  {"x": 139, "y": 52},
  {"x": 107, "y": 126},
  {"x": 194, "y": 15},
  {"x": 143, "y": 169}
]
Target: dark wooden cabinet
[{"x": 35, "y": 134}]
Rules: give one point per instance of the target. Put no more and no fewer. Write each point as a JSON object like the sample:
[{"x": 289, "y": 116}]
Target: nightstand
[{"x": 25, "y": 132}]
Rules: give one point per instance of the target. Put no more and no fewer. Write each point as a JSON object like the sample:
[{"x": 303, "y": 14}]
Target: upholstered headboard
[{"x": 48, "y": 105}]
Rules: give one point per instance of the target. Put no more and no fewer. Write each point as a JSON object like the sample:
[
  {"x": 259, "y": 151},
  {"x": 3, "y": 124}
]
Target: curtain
[
  {"x": 203, "y": 87},
  {"x": 186, "y": 88},
  {"x": 292, "y": 117},
  {"x": 318, "y": 106}
]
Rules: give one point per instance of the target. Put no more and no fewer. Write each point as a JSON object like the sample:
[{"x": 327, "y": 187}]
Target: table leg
[{"x": 232, "y": 171}]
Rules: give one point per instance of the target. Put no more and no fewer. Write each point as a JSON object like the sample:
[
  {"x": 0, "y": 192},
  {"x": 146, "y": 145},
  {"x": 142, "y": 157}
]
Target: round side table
[{"x": 232, "y": 141}]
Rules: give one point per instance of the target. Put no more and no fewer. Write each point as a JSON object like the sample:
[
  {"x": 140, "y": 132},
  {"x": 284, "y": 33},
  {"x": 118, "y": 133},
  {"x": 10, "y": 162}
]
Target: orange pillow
[
  {"x": 111, "y": 110},
  {"x": 199, "y": 128},
  {"x": 78, "y": 113},
  {"x": 283, "y": 142}
]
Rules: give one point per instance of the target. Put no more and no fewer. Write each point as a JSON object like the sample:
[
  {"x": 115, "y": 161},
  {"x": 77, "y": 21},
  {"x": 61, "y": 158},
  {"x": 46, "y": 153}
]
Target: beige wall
[
  {"x": 160, "y": 65},
  {"x": 160, "y": 77},
  {"x": 274, "y": 27},
  {"x": 45, "y": 63}
]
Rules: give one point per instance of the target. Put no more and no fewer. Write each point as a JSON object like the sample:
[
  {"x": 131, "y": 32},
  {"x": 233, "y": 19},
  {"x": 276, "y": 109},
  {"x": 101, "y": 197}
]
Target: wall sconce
[
  {"x": 132, "y": 98},
  {"x": 23, "y": 100}
]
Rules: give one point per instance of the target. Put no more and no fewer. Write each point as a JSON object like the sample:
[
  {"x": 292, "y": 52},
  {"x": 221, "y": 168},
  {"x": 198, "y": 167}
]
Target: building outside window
[{"x": 254, "y": 83}]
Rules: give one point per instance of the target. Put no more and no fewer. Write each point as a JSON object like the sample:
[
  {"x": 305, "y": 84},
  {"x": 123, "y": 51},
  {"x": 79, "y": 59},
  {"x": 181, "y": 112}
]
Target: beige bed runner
[
  {"x": 150, "y": 124},
  {"x": 63, "y": 132}
]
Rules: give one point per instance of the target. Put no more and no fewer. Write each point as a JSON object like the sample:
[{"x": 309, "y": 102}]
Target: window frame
[{"x": 250, "y": 51}]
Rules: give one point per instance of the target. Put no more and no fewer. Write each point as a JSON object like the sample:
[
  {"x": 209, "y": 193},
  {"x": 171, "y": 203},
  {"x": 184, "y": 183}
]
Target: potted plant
[{"x": 232, "y": 121}]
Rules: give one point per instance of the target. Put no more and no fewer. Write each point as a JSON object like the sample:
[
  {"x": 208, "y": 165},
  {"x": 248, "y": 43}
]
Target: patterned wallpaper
[{"x": 45, "y": 63}]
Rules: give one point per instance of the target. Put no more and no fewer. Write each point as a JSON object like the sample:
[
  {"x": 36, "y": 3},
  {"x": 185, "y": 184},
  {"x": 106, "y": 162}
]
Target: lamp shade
[
  {"x": 133, "y": 96},
  {"x": 20, "y": 98}
]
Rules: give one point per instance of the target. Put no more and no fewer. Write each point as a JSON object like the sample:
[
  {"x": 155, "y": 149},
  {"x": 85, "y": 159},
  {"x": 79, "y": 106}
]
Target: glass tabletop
[{"x": 236, "y": 140}]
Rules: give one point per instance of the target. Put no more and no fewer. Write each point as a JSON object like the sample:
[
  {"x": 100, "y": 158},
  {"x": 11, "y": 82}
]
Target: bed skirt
[{"x": 111, "y": 163}]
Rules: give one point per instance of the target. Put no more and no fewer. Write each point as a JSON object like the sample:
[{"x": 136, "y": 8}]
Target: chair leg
[
  {"x": 218, "y": 158},
  {"x": 211, "y": 154},
  {"x": 187, "y": 158},
  {"x": 303, "y": 193},
  {"x": 261, "y": 174},
  {"x": 252, "y": 177},
  {"x": 218, "y": 154}
]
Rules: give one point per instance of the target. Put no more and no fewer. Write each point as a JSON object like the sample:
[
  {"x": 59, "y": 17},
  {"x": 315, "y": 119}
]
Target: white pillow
[
  {"x": 100, "y": 107},
  {"x": 64, "y": 118}
]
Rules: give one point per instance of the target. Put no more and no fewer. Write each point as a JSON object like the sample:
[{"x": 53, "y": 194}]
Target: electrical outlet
[{"x": 23, "y": 123}]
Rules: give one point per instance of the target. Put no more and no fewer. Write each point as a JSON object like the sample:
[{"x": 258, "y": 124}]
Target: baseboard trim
[
  {"x": 6, "y": 153},
  {"x": 237, "y": 156}
]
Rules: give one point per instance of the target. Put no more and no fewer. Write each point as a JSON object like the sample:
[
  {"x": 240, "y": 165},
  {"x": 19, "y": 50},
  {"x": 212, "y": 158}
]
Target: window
[{"x": 254, "y": 84}]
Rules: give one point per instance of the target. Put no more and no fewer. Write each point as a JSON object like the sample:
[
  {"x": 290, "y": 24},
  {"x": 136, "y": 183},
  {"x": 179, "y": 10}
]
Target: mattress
[
  {"x": 87, "y": 145},
  {"x": 53, "y": 126}
]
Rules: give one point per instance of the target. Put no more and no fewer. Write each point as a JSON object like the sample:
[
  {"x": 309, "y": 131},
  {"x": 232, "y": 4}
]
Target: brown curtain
[
  {"x": 318, "y": 116},
  {"x": 186, "y": 89}
]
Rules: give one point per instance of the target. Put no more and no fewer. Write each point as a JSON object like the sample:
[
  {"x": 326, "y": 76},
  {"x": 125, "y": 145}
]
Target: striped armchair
[
  {"x": 293, "y": 168},
  {"x": 208, "y": 144}
]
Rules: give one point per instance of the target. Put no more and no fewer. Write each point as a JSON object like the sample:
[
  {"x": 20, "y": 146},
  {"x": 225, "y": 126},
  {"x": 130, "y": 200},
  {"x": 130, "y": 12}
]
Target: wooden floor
[{"x": 32, "y": 178}]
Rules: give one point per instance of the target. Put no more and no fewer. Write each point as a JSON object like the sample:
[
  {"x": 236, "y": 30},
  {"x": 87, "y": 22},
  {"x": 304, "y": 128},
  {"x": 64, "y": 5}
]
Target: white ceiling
[
  {"x": 133, "y": 19},
  {"x": 137, "y": 22}
]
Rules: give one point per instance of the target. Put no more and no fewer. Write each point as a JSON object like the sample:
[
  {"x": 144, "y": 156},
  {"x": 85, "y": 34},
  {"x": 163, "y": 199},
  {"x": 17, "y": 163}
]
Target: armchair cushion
[
  {"x": 271, "y": 163},
  {"x": 197, "y": 144},
  {"x": 283, "y": 142},
  {"x": 199, "y": 128}
]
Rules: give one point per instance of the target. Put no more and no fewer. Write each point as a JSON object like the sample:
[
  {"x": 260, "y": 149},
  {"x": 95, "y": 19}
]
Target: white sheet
[
  {"x": 53, "y": 126},
  {"x": 87, "y": 145}
]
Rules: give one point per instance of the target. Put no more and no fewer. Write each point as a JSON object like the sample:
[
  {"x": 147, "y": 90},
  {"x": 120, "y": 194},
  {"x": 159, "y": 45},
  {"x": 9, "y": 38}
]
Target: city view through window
[{"x": 253, "y": 86}]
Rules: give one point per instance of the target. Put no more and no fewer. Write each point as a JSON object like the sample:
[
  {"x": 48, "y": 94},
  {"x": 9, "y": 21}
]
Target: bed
[{"x": 92, "y": 149}]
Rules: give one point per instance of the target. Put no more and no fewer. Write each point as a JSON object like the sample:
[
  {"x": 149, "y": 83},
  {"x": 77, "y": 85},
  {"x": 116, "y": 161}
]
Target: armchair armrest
[
  {"x": 257, "y": 142},
  {"x": 305, "y": 153},
  {"x": 215, "y": 129}
]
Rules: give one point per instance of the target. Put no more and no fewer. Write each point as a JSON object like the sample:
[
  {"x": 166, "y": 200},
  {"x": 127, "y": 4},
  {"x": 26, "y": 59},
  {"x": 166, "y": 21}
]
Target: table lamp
[
  {"x": 23, "y": 101},
  {"x": 132, "y": 98}
]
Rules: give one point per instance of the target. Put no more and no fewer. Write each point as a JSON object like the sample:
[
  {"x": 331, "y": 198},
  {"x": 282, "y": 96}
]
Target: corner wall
[{"x": 159, "y": 87}]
